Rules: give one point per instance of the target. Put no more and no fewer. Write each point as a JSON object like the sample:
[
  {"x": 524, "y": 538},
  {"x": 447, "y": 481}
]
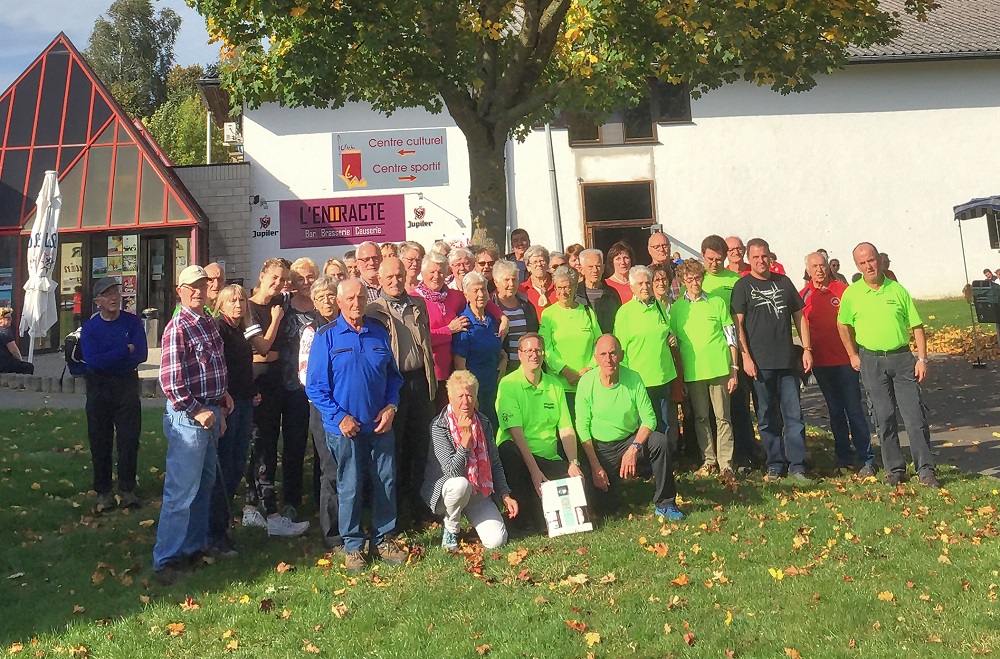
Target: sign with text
[
  {"x": 343, "y": 221},
  {"x": 390, "y": 159}
]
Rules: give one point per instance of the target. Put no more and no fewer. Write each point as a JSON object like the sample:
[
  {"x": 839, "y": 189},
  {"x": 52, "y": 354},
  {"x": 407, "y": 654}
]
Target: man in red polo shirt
[{"x": 837, "y": 379}]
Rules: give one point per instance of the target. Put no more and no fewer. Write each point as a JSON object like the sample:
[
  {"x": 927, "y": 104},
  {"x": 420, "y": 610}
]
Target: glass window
[
  {"x": 639, "y": 121},
  {"x": 77, "y": 108},
  {"x": 102, "y": 112},
  {"x": 69, "y": 186},
  {"x": 22, "y": 119},
  {"x": 107, "y": 136},
  {"x": 126, "y": 180},
  {"x": 41, "y": 160},
  {"x": 673, "y": 102},
  {"x": 15, "y": 168},
  {"x": 122, "y": 135},
  {"x": 50, "y": 109},
  {"x": 98, "y": 183},
  {"x": 582, "y": 128},
  {"x": 151, "y": 197},
  {"x": 4, "y": 109},
  {"x": 66, "y": 157},
  {"x": 608, "y": 202},
  {"x": 176, "y": 212}
]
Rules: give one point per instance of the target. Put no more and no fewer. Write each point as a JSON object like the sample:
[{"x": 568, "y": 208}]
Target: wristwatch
[
  {"x": 637, "y": 445},
  {"x": 575, "y": 461},
  {"x": 923, "y": 360},
  {"x": 395, "y": 408}
]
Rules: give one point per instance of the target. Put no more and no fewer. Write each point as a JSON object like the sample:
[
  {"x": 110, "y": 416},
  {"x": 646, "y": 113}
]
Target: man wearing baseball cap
[
  {"x": 194, "y": 378},
  {"x": 113, "y": 344}
]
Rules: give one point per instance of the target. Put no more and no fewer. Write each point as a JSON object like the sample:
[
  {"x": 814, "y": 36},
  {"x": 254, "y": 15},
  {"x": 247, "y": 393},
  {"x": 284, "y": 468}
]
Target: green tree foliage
[
  {"x": 178, "y": 126},
  {"x": 500, "y": 66},
  {"x": 132, "y": 49}
]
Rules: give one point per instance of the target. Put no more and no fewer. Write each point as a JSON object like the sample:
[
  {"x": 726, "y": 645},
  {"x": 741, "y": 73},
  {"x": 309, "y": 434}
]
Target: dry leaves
[
  {"x": 483, "y": 650},
  {"x": 681, "y": 580},
  {"x": 338, "y": 609},
  {"x": 189, "y": 604},
  {"x": 792, "y": 653},
  {"x": 576, "y": 625},
  {"x": 175, "y": 628},
  {"x": 283, "y": 567},
  {"x": 592, "y": 638}
]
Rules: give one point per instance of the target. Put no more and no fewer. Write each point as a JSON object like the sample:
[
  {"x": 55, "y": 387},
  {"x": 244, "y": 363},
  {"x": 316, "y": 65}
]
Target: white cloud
[{"x": 28, "y": 27}]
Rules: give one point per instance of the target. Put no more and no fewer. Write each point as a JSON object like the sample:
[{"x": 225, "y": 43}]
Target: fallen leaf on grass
[
  {"x": 232, "y": 645},
  {"x": 189, "y": 604},
  {"x": 608, "y": 578},
  {"x": 339, "y": 609},
  {"x": 667, "y": 628},
  {"x": 792, "y": 653},
  {"x": 339, "y": 591},
  {"x": 283, "y": 567},
  {"x": 886, "y": 596},
  {"x": 310, "y": 648},
  {"x": 286, "y": 614},
  {"x": 578, "y": 579},
  {"x": 729, "y": 618},
  {"x": 681, "y": 580},
  {"x": 576, "y": 625},
  {"x": 323, "y": 562},
  {"x": 146, "y": 523},
  {"x": 515, "y": 557},
  {"x": 483, "y": 650},
  {"x": 78, "y": 609},
  {"x": 78, "y": 651},
  {"x": 16, "y": 648},
  {"x": 944, "y": 559},
  {"x": 689, "y": 638},
  {"x": 175, "y": 628},
  {"x": 592, "y": 638},
  {"x": 266, "y": 605},
  {"x": 541, "y": 600},
  {"x": 776, "y": 574}
]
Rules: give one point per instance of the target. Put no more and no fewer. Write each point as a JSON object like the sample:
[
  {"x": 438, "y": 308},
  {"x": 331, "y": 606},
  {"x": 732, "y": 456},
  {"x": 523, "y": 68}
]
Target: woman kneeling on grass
[{"x": 464, "y": 474}]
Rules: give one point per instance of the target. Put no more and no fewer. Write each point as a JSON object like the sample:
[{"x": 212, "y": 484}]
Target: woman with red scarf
[{"x": 464, "y": 474}]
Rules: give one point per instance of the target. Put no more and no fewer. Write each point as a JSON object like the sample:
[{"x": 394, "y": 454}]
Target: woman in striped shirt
[{"x": 520, "y": 313}]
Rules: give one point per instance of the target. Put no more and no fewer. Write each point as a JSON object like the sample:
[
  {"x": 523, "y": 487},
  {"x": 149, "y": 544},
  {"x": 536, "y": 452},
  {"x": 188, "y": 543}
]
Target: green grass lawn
[
  {"x": 841, "y": 569},
  {"x": 949, "y": 311}
]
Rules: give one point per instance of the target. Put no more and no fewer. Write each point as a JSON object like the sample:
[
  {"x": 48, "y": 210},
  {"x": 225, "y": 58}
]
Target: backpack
[{"x": 73, "y": 354}]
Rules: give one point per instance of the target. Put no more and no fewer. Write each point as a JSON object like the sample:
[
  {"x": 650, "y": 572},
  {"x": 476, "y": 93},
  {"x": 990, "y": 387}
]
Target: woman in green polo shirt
[
  {"x": 642, "y": 326},
  {"x": 570, "y": 330},
  {"x": 707, "y": 338}
]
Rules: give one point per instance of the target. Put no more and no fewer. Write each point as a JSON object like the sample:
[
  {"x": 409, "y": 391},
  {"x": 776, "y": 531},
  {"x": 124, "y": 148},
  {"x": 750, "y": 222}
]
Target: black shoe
[
  {"x": 927, "y": 479},
  {"x": 168, "y": 574},
  {"x": 895, "y": 478},
  {"x": 868, "y": 471},
  {"x": 129, "y": 500}
]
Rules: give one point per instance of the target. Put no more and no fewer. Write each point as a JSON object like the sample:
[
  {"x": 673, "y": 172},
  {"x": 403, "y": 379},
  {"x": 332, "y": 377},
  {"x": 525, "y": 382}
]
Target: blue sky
[{"x": 27, "y": 27}]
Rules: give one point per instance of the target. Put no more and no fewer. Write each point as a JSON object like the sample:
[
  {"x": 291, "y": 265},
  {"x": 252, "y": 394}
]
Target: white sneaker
[
  {"x": 282, "y": 526},
  {"x": 252, "y": 517}
]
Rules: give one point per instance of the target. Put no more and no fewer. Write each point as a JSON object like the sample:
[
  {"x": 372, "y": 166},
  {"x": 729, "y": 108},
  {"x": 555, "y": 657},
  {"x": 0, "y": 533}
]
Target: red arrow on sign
[
  {"x": 404, "y": 152},
  {"x": 409, "y": 178}
]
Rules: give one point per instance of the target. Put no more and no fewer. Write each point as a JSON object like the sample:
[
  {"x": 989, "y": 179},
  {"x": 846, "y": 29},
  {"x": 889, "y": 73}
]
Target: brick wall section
[{"x": 223, "y": 192}]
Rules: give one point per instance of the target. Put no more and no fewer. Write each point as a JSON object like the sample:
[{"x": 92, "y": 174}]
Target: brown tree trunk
[{"x": 487, "y": 185}]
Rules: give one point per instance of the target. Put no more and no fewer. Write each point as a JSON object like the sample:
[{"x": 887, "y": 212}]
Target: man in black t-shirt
[{"x": 764, "y": 304}]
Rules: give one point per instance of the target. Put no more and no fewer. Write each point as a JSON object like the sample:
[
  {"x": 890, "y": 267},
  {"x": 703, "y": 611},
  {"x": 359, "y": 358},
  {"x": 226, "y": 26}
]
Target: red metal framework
[{"x": 58, "y": 115}]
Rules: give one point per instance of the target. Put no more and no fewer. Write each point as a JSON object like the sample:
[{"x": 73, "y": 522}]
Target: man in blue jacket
[
  {"x": 353, "y": 380},
  {"x": 113, "y": 344}
]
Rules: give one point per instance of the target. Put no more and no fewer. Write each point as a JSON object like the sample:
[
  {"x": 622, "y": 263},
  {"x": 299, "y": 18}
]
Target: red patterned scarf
[{"x": 478, "y": 469}]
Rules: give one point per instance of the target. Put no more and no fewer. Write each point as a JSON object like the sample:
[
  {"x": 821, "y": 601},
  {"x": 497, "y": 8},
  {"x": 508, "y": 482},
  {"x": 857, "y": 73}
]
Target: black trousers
[
  {"x": 655, "y": 454},
  {"x": 280, "y": 414},
  {"x": 412, "y": 427},
  {"x": 530, "y": 517},
  {"x": 326, "y": 482},
  {"x": 15, "y": 366},
  {"x": 113, "y": 408}
]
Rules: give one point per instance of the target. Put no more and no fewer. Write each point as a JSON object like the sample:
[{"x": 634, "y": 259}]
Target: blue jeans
[
  {"x": 841, "y": 387},
  {"x": 234, "y": 445},
  {"x": 187, "y": 488},
  {"x": 365, "y": 463},
  {"x": 778, "y": 401},
  {"x": 663, "y": 407}
]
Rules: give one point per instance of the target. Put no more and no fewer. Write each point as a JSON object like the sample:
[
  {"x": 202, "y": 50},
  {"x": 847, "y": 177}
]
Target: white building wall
[{"x": 877, "y": 152}]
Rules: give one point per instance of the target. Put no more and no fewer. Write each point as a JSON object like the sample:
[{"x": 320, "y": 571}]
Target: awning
[{"x": 977, "y": 208}]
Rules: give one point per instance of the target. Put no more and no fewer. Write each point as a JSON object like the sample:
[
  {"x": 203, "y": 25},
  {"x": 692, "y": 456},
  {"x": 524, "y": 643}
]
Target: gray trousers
[{"x": 890, "y": 382}]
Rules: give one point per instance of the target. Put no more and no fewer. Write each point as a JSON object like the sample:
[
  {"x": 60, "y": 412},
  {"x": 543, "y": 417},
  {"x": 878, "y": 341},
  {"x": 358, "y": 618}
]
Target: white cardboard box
[{"x": 565, "y": 506}]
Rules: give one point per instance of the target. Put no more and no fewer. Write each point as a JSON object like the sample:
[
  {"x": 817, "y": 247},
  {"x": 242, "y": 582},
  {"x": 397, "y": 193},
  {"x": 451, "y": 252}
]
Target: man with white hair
[
  {"x": 406, "y": 318},
  {"x": 837, "y": 380},
  {"x": 353, "y": 380},
  {"x": 369, "y": 258},
  {"x": 595, "y": 292}
]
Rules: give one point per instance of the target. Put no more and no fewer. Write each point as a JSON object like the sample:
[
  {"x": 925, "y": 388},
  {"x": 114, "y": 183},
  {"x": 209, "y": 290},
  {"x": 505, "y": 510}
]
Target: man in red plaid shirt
[{"x": 194, "y": 379}]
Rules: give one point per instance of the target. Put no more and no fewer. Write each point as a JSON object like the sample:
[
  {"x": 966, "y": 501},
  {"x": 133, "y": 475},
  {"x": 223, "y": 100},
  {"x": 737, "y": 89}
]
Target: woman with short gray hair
[
  {"x": 460, "y": 263},
  {"x": 443, "y": 308},
  {"x": 479, "y": 348},
  {"x": 519, "y": 312}
]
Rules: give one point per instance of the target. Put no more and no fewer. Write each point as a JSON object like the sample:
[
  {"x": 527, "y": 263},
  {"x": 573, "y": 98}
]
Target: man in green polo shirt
[
  {"x": 875, "y": 319},
  {"x": 615, "y": 416},
  {"x": 534, "y": 419}
]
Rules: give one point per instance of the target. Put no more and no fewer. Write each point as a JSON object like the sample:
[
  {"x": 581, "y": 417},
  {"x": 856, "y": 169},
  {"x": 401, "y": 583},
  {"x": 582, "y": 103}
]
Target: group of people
[{"x": 453, "y": 383}]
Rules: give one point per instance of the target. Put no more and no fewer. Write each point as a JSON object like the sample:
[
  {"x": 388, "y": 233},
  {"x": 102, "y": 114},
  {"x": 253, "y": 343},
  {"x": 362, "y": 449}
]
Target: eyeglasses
[
  {"x": 485, "y": 262},
  {"x": 736, "y": 249},
  {"x": 369, "y": 259},
  {"x": 662, "y": 248},
  {"x": 531, "y": 351}
]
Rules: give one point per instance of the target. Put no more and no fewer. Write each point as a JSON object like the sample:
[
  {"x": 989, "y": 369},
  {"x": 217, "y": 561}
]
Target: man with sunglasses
[
  {"x": 113, "y": 342},
  {"x": 194, "y": 379}
]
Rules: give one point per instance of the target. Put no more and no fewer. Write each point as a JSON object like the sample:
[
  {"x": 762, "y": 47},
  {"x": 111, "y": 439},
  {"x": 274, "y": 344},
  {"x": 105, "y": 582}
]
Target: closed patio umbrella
[{"x": 39, "y": 312}]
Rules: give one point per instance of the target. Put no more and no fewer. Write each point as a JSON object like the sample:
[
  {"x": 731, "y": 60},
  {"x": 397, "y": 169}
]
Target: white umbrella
[{"x": 39, "y": 312}]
